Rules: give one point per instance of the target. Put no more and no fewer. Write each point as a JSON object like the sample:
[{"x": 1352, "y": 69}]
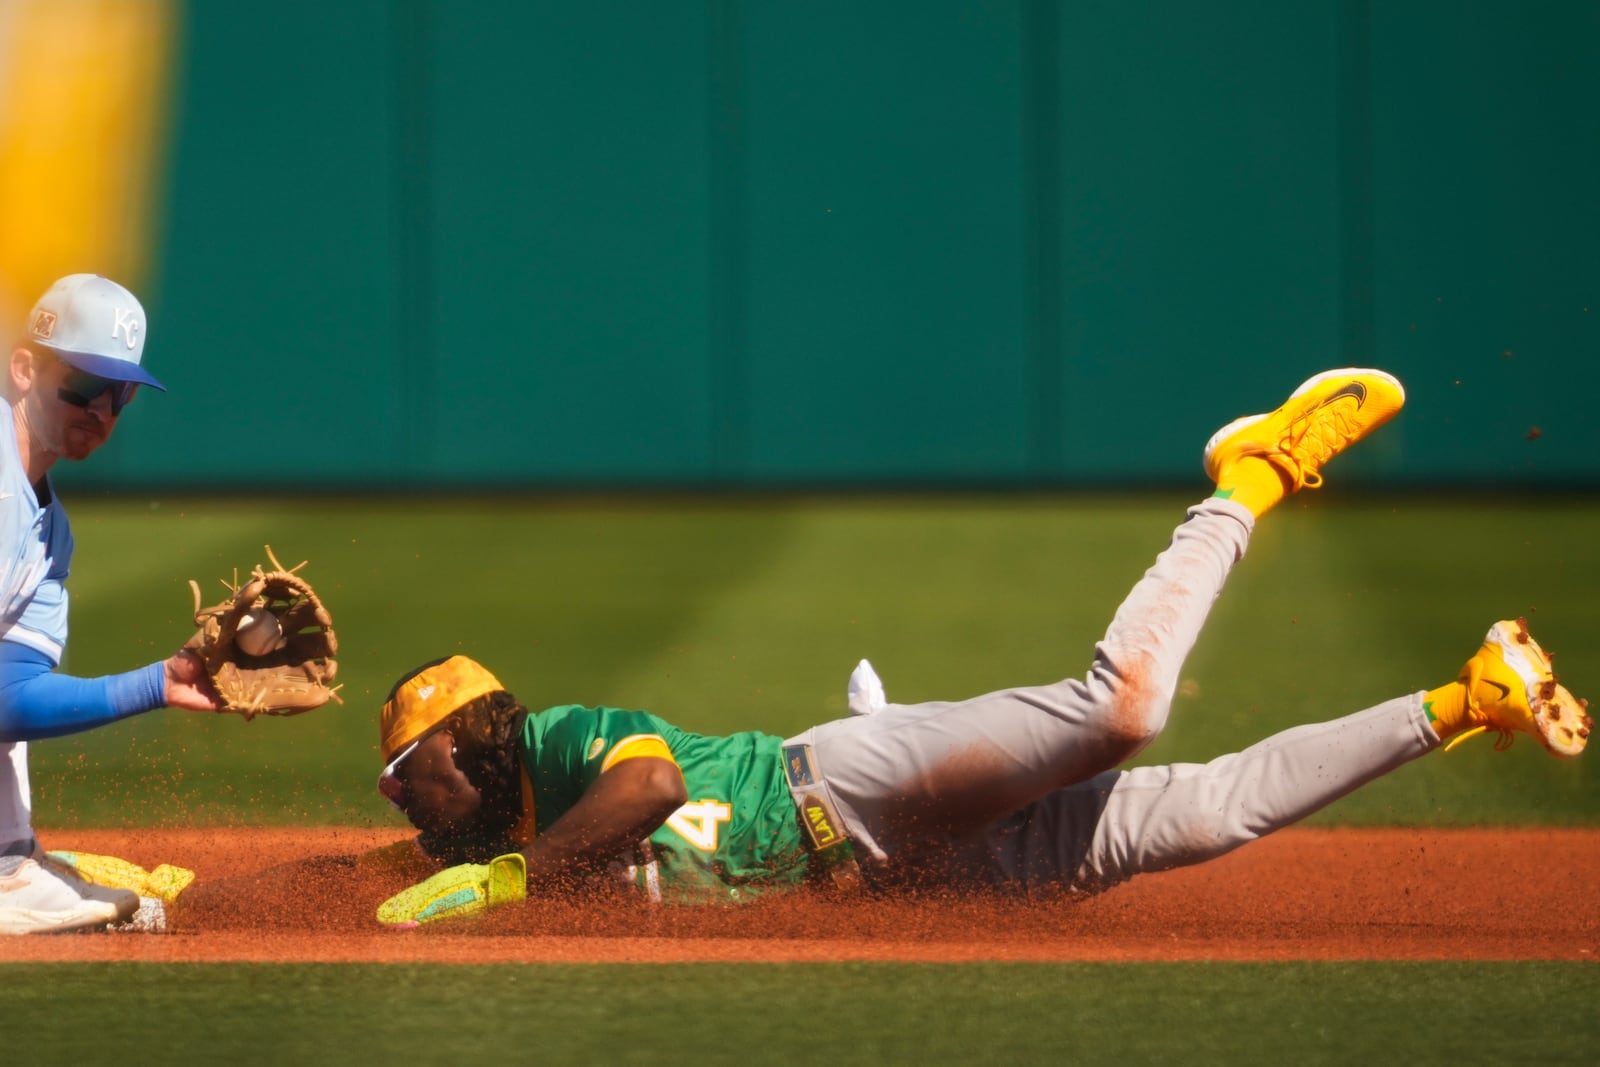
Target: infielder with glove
[
  {"x": 1017, "y": 788},
  {"x": 66, "y": 386}
]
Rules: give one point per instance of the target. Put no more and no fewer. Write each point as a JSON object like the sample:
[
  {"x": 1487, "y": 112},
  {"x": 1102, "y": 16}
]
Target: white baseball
[{"x": 258, "y": 635}]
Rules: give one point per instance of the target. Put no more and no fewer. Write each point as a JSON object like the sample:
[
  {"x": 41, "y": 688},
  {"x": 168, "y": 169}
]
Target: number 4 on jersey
[{"x": 699, "y": 822}]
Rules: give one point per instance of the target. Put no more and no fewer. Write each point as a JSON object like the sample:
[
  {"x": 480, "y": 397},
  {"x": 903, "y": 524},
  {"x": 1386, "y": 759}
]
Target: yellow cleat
[
  {"x": 457, "y": 892},
  {"x": 1512, "y": 688},
  {"x": 1322, "y": 418}
]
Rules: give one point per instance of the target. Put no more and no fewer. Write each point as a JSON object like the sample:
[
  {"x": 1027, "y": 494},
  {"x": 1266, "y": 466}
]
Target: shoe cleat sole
[{"x": 1562, "y": 720}]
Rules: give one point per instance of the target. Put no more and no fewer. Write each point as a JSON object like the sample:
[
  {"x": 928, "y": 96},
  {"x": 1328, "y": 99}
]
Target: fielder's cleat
[
  {"x": 1511, "y": 688},
  {"x": 39, "y": 898},
  {"x": 1322, "y": 418},
  {"x": 457, "y": 892}
]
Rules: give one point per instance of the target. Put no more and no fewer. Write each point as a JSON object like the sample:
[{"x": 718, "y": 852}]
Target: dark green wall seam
[
  {"x": 727, "y": 314},
  {"x": 415, "y": 341},
  {"x": 1041, "y": 126},
  {"x": 1353, "y": 90}
]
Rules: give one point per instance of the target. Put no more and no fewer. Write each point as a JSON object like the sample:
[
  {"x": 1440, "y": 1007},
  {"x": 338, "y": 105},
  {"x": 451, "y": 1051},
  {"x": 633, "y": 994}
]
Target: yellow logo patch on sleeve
[{"x": 820, "y": 822}]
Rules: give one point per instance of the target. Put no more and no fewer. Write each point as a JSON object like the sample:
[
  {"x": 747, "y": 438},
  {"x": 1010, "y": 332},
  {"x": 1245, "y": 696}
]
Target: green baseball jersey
[{"x": 737, "y": 836}]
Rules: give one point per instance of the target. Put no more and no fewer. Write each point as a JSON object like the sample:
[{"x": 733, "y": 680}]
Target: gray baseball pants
[{"x": 1018, "y": 787}]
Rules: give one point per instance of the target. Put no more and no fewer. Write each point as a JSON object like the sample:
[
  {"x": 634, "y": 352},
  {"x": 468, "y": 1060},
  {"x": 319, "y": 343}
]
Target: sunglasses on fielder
[{"x": 80, "y": 389}]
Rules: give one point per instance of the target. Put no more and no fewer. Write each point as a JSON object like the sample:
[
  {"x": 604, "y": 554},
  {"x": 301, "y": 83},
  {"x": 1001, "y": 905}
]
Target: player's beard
[
  {"x": 500, "y": 808},
  {"x": 62, "y": 430},
  {"x": 82, "y": 436},
  {"x": 480, "y": 837}
]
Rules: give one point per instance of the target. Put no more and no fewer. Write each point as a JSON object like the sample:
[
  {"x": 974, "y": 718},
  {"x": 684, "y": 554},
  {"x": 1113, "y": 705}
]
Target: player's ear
[{"x": 24, "y": 369}]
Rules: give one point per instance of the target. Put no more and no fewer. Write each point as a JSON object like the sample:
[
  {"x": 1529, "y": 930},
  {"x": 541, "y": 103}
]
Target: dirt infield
[{"x": 1302, "y": 894}]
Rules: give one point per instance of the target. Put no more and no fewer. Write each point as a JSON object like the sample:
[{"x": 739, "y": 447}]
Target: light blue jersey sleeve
[
  {"x": 35, "y": 554},
  {"x": 43, "y": 621},
  {"x": 36, "y": 702}
]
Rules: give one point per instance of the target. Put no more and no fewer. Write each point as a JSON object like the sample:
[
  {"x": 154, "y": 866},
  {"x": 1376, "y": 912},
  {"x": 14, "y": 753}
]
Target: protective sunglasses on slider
[{"x": 389, "y": 783}]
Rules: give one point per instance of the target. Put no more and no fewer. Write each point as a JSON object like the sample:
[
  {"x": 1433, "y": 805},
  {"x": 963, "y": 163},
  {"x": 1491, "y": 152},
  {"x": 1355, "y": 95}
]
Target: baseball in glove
[{"x": 292, "y": 670}]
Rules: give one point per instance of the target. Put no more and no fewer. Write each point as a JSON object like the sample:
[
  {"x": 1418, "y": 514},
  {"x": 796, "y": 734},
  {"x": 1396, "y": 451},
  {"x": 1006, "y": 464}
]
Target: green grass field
[
  {"x": 727, "y": 614},
  {"x": 708, "y": 1014}
]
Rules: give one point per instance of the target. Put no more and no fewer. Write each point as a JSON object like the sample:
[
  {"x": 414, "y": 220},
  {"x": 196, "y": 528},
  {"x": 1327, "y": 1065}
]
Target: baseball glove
[{"x": 294, "y": 669}]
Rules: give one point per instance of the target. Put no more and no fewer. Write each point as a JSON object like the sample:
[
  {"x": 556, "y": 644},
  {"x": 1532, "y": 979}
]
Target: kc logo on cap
[{"x": 127, "y": 324}]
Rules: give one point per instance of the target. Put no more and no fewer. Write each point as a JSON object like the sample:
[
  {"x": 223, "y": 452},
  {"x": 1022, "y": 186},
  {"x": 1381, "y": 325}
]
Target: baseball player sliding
[{"x": 1015, "y": 788}]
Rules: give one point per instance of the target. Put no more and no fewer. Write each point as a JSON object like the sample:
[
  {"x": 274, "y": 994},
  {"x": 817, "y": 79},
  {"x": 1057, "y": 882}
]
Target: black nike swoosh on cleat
[
  {"x": 1355, "y": 389},
  {"x": 1505, "y": 690}
]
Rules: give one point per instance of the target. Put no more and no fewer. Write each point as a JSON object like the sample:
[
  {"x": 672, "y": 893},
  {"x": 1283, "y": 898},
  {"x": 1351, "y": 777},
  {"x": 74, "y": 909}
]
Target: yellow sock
[
  {"x": 1446, "y": 708},
  {"x": 1252, "y": 481}
]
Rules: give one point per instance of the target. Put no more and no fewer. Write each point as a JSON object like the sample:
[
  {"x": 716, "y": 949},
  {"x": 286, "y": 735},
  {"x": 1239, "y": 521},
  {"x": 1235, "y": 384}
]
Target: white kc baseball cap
[{"x": 95, "y": 325}]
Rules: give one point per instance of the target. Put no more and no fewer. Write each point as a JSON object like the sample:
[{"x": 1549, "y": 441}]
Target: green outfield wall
[{"x": 724, "y": 244}]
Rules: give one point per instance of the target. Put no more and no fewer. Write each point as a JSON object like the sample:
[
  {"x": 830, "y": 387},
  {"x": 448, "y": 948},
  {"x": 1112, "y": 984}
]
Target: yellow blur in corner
[{"x": 84, "y": 89}]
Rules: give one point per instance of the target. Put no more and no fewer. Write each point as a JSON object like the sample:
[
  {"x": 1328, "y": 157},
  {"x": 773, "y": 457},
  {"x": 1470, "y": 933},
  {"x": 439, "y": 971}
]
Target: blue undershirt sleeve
[{"x": 36, "y": 702}]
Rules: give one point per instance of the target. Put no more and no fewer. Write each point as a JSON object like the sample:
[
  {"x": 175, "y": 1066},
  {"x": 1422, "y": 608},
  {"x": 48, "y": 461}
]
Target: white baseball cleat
[{"x": 38, "y": 898}]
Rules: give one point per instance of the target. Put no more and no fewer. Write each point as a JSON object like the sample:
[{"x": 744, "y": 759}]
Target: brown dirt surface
[{"x": 1302, "y": 894}]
